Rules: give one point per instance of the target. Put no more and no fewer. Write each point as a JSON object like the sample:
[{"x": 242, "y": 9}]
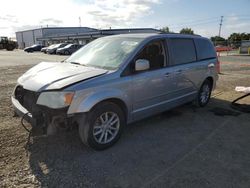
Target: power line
[
  {"x": 194, "y": 25},
  {"x": 208, "y": 20},
  {"x": 194, "y": 21}
]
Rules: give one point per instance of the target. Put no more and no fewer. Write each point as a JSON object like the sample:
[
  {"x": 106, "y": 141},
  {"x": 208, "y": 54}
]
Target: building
[
  {"x": 245, "y": 47},
  {"x": 45, "y": 35},
  {"x": 81, "y": 35}
]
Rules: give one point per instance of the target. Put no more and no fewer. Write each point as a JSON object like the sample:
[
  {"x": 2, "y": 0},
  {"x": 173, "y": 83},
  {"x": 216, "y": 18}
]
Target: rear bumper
[{"x": 22, "y": 112}]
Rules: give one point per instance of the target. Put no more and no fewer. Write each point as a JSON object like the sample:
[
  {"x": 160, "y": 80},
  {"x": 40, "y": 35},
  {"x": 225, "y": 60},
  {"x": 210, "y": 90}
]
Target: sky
[{"x": 203, "y": 16}]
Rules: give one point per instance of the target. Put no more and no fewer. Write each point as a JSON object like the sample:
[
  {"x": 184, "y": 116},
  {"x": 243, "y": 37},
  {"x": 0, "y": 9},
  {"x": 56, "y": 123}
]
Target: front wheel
[
  {"x": 204, "y": 93},
  {"x": 102, "y": 126},
  {"x": 66, "y": 52}
]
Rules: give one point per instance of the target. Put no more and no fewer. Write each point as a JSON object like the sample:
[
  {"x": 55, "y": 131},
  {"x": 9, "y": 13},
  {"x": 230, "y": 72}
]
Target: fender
[{"x": 84, "y": 103}]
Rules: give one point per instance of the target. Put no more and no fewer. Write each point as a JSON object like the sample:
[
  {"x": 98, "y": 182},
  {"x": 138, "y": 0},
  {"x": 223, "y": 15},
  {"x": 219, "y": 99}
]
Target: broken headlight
[{"x": 54, "y": 99}]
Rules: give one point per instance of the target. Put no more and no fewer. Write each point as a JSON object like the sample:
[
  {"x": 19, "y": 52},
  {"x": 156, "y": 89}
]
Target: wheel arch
[
  {"x": 116, "y": 101},
  {"x": 210, "y": 79}
]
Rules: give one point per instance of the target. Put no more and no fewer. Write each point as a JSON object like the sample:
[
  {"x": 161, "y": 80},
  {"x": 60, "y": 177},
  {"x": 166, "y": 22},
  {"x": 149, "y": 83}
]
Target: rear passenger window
[
  {"x": 183, "y": 51},
  {"x": 205, "y": 49}
]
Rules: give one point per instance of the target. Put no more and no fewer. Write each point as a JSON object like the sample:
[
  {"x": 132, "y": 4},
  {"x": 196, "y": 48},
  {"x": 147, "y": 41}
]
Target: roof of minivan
[{"x": 156, "y": 35}]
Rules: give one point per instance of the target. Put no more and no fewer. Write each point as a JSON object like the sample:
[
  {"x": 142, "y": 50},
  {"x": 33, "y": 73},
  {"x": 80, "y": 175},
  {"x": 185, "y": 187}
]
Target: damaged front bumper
[
  {"x": 24, "y": 104},
  {"x": 22, "y": 112}
]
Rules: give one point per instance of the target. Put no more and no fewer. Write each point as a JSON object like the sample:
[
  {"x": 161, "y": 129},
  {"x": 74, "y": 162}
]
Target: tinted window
[
  {"x": 205, "y": 49},
  {"x": 183, "y": 51}
]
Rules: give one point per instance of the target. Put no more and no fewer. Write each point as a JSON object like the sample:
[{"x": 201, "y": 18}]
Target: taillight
[{"x": 218, "y": 66}]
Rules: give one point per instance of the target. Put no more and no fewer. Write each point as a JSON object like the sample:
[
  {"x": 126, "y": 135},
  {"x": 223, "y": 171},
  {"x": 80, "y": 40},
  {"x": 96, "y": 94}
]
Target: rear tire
[
  {"x": 66, "y": 52},
  {"x": 102, "y": 126},
  {"x": 204, "y": 93}
]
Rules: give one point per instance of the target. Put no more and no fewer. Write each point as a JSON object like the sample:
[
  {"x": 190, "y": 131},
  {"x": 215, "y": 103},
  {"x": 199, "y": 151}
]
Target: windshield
[
  {"x": 56, "y": 46},
  {"x": 67, "y": 46},
  {"x": 52, "y": 46},
  {"x": 106, "y": 52}
]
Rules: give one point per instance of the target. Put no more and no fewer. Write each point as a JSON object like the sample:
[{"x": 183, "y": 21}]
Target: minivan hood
[{"x": 49, "y": 76}]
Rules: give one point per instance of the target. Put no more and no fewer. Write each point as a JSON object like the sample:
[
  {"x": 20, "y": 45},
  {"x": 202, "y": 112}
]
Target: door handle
[
  {"x": 167, "y": 74},
  {"x": 211, "y": 65}
]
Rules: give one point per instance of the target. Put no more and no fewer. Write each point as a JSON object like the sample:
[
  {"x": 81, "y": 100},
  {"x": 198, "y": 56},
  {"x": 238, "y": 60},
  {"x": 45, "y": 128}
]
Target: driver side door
[{"x": 152, "y": 89}]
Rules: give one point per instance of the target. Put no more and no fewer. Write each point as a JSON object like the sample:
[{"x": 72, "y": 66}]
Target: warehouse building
[{"x": 81, "y": 35}]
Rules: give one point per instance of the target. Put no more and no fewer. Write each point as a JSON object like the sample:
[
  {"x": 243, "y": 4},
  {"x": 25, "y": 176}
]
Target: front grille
[{"x": 26, "y": 98}]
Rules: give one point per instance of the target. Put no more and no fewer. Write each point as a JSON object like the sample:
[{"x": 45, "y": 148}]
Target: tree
[
  {"x": 217, "y": 40},
  {"x": 236, "y": 38},
  {"x": 187, "y": 31},
  {"x": 165, "y": 30}
]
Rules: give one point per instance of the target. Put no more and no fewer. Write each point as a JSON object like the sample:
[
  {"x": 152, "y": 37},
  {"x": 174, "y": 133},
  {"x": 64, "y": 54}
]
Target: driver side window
[{"x": 154, "y": 52}]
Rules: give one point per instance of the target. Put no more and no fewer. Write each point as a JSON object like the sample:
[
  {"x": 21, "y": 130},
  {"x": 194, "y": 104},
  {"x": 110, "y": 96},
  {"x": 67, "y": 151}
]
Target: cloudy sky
[{"x": 203, "y": 16}]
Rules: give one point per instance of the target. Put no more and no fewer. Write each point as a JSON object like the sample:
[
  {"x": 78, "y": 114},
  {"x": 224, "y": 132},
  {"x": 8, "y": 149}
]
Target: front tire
[
  {"x": 66, "y": 52},
  {"x": 102, "y": 126},
  {"x": 204, "y": 93}
]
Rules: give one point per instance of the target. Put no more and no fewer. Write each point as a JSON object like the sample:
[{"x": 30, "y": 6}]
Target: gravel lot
[{"x": 185, "y": 147}]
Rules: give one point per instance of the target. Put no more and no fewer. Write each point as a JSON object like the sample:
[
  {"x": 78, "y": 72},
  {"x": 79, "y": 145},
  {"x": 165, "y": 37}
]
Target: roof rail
[{"x": 162, "y": 32}]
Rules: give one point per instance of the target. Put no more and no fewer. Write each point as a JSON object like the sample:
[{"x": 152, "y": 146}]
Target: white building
[{"x": 81, "y": 35}]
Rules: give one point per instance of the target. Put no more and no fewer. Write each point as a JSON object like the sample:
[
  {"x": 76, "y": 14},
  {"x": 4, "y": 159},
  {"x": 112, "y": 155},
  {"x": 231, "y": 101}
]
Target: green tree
[
  {"x": 165, "y": 29},
  {"x": 217, "y": 40},
  {"x": 235, "y": 38},
  {"x": 187, "y": 31}
]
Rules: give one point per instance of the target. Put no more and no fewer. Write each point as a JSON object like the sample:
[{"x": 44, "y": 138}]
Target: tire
[
  {"x": 204, "y": 93},
  {"x": 95, "y": 133},
  {"x": 66, "y": 52}
]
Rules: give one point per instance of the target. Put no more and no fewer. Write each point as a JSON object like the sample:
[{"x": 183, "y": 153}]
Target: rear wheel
[
  {"x": 102, "y": 126},
  {"x": 66, "y": 52},
  {"x": 204, "y": 93}
]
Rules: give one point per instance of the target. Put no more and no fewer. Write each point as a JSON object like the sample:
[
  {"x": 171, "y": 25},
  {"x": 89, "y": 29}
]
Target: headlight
[{"x": 55, "y": 99}]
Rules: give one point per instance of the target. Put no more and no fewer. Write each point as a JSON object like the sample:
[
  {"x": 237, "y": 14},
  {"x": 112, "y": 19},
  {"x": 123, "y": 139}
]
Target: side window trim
[{"x": 167, "y": 53}]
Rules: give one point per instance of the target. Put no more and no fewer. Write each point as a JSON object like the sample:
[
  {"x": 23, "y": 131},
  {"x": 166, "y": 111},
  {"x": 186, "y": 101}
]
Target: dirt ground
[{"x": 185, "y": 147}]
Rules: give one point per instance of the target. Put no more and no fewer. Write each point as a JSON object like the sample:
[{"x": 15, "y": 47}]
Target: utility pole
[
  {"x": 80, "y": 22},
  {"x": 221, "y": 21}
]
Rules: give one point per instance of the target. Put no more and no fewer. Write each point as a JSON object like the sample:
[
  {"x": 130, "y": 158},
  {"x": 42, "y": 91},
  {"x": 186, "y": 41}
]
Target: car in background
[
  {"x": 33, "y": 48},
  {"x": 69, "y": 49},
  {"x": 52, "y": 49},
  {"x": 44, "y": 49}
]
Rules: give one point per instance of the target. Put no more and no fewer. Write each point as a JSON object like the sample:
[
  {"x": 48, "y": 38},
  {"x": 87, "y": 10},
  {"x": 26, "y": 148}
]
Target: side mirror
[{"x": 141, "y": 65}]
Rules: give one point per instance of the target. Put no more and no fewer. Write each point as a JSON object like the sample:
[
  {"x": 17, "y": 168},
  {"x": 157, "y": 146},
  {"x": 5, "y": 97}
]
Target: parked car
[
  {"x": 44, "y": 49},
  {"x": 52, "y": 49},
  {"x": 117, "y": 80},
  {"x": 33, "y": 48},
  {"x": 69, "y": 49}
]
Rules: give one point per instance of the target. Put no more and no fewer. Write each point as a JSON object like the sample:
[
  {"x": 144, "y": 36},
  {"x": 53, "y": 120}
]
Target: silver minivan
[{"x": 117, "y": 80}]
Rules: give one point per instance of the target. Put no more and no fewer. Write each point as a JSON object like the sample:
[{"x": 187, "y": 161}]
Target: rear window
[
  {"x": 183, "y": 51},
  {"x": 205, "y": 49}
]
